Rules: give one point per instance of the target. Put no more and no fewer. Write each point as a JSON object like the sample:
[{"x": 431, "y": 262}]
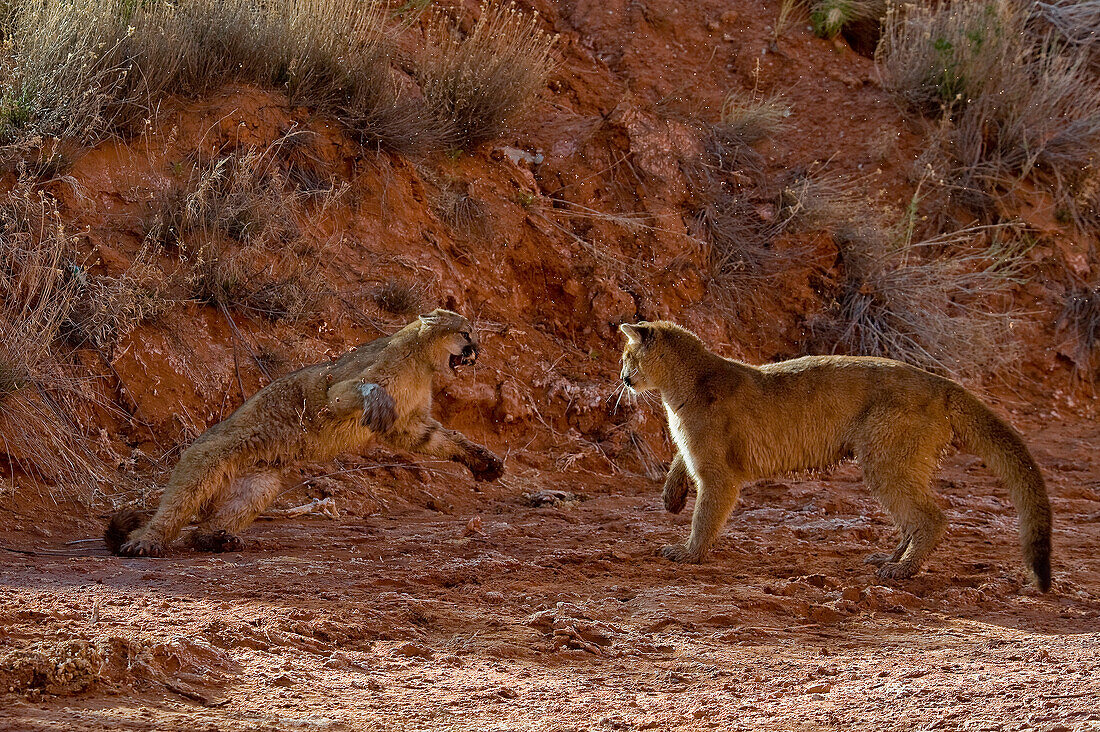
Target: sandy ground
[{"x": 561, "y": 617}]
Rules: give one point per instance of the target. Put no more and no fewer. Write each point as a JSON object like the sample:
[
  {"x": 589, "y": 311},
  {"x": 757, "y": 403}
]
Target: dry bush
[
  {"x": 943, "y": 304},
  {"x": 1081, "y": 316},
  {"x": 107, "y": 308},
  {"x": 86, "y": 69},
  {"x": 253, "y": 281},
  {"x": 1078, "y": 22},
  {"x": 243, "y": 194},
  {"x": 726, "y": 182},
  {"x": 1009, "y": 102},
  {"x": 463, "y": 213},
  {"x": 235, "y": 225},
  {"x": 811, "y": 201},
  {"x": 480, "y": 83},
  {"x": 750, "y": 117},
  {"x": 39, "y": 436},
  {"x": 398, "y": 297}
]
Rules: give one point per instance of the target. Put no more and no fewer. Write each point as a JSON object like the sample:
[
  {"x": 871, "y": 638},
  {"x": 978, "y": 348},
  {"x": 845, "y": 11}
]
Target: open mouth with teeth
[{"x": 466, "y": 358}]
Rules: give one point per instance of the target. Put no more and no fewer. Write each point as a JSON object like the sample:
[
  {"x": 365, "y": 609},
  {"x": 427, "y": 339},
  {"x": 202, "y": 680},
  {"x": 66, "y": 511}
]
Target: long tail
[
  {"x": 995, "y": 441},
  {"x": 121, "y": 525}
]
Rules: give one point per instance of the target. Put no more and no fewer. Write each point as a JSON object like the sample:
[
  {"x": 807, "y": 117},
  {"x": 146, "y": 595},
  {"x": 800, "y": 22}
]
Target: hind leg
[
  {"x": 878, "y": 558},
  {"x": 249, "y": 496},
  {"x": 899, "y": 449},
  {"x": 902, "y": 488},
  {"x": 199, "y": 479}
]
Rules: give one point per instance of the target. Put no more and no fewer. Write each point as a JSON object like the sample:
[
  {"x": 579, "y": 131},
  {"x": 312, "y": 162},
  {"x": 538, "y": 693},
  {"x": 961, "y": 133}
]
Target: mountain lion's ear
[{"x": 635, "y": 333}]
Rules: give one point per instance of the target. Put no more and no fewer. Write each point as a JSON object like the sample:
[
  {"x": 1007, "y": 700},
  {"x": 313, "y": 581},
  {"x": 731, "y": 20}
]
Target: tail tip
[
  {"x": 1040, "y": 568},
  {"x": 121, "y": 525}
]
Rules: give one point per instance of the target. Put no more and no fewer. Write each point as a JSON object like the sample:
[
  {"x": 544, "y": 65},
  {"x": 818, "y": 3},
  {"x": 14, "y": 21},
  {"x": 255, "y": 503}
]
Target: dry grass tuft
[
  {"x": 479, "y": 83},
  {"x": 1009, "y": 102},
  {"x": 1081, "y": 315},
  {"x": 235, "y": 223},
  {"x": 107, "y": 308},
  {"x": 252, "y": 280},
  {"x": 39, "y": 392},
  {"x": 943, "y": 304},
  {"x": 463, "y": 213},
  {"x": 398, "y": 297},
  {"x": 751, "y": 117}
]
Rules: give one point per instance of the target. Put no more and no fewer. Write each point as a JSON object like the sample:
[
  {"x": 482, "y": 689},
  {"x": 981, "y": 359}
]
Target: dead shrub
[
  {"x": 1008, "y": 102},
  {"x": 106, "y": 308},
  {"x": 398, "y": 297},
  {"x": 479, "y": 83},
  {"x": 943, "y": 304},
  {"x": 1081, "y": 316},
  {"x": 39, "y": 390}
]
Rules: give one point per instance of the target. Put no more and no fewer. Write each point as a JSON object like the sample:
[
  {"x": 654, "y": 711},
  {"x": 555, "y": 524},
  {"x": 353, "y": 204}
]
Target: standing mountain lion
[
  {"x": 382, "y": 389},
  {"x": 732, "y": 423}
]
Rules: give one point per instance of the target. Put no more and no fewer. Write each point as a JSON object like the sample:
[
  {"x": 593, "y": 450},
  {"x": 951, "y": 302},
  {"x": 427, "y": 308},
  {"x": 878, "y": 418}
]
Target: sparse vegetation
[
  {"x": 1009, "y": 102},
  {"x": 942, "y": 303},
  {"x": 106, "y": 308},
  {"x": 751, "y": 117},
  {"x": 38, "y": 389},
  {"x": 857, "y": 20},
  {"x": 1081, "y": 317},
  {"x": 398, "y": 297},
  {"x": 89, "y": 69},
  {"x": 480, "y": 83},
  {"x": 465, "y": 214},
  {"x": 242, "y": 196}
]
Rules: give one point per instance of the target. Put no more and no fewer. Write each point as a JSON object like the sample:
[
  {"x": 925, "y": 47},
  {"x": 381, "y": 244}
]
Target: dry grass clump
[
  {"x": 479, "y": 83},
  {"x": 398, "y": 297},
  {"x": 813, "y": 201},
  {"x": 252, "y": 280},
  {"x": 38, "y": 390},
  {"x": 1008, "y": 102},
  {"x": 1081, "y": 315},
  {"x": 751, "y": 117},
  {"x": 462, "y": 212},
  {"x": 106, "y": 308},
  {"x": 86, "y": 69},
  {"x": 830, "y": 17},
  {"x": 943, "y": 303},
  {"x": 235, "y": 223},
  {"x": 726, "y": 182}
]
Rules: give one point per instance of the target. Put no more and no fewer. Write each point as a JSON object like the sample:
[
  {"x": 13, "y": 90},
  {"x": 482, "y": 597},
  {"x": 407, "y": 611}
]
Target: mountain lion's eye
[{"x": 465, "y": 334}]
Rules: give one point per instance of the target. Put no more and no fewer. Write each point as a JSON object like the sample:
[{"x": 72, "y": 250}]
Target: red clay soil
[{"x": 539, "y": 602}]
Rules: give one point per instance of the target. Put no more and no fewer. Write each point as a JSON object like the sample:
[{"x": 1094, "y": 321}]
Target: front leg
[
  {"x": 675, "y": 492},
  {"x": 716, "y": 495},
  {"x": 429, "y": 437},
  {"x": 379, "y": 410}
]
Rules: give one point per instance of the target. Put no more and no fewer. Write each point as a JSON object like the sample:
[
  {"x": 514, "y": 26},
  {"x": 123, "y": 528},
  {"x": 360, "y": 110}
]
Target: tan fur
[
  {"x": 232, "y": 472},
  {"x": 732, "y": 423}
]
